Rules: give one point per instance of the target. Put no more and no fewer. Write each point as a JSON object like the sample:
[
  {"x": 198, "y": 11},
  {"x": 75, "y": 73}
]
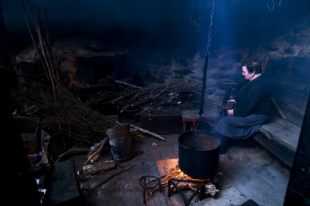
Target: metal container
[
  {"x": 119, "y": 133},
  {"x": 199, "y": 156},
  {"x": 121, "y": 150}
]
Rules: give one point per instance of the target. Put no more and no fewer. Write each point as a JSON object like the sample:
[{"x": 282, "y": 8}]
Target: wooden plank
[
  {"x": 102, "y": 166},
  {"x": 274, "y": 149},
  {"x": 278, "y": 108},
  {"x": 291, "y": 67},
  {"x": 297, "y": 192},
  {"x": 209, "y": 114},
  {"x": 282, "y": 133},
  {"x": 162, "y": 124},
  {"x": 293, "y": 118},
  {"x": 291, "y": 85},
  {"x": 290, "y": 98}
]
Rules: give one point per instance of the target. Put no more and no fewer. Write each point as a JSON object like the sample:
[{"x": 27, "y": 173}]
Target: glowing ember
[{"x": 176, "y": 173}]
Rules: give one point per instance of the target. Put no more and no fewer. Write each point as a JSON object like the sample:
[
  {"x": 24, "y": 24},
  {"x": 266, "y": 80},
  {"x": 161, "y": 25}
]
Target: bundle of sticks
[
  {"x": 43, "y": 47},
  {"x": 140, "y": 100},
  {"x": 69, "y": 115}
]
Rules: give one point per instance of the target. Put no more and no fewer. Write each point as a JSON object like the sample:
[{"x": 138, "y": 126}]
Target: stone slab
[{"x": 61, "y": 186}]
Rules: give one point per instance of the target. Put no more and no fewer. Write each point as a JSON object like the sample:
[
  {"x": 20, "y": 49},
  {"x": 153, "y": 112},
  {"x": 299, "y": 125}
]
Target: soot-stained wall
[
  {"x": 166, "y": 39},
  {"x": 180, "y": 23}
]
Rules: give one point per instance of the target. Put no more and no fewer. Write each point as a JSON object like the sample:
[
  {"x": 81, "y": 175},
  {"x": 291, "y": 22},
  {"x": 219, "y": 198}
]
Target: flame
[
  {"x": 176, "y": 173},
  {"x": 179, "y": 174}
]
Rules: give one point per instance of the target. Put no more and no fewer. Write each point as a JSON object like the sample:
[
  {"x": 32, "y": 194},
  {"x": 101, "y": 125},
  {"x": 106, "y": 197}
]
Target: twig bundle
[
  {"x": 69, "y": 116},
  {"x": 41, "y": 49},
  {"x": 137, "y": 99}
]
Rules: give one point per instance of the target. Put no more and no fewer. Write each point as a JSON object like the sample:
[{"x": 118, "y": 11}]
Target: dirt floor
[{"x": 248, "y": 172}]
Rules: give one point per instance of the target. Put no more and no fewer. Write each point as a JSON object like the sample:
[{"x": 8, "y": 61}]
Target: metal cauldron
[{"x": 199, "y": 156}]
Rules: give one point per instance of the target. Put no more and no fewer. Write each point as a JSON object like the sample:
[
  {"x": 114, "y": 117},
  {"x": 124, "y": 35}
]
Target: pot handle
[{"x": 193, "y": 140}]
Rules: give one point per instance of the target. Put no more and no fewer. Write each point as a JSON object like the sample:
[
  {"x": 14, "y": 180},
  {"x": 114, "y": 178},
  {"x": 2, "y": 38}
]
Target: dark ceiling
[{"x": 150, "y": 23}]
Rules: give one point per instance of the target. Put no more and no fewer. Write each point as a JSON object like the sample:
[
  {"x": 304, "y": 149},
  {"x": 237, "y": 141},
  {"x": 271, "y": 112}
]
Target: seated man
[{"x": 252, "y": 107}]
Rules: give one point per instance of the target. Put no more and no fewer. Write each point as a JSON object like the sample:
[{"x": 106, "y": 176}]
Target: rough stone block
[{"x": 61, "y": 186}]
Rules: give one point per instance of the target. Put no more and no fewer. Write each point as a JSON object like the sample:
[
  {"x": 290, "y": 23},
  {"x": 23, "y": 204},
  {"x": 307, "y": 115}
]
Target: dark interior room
[{"x": 175, "y": 102}]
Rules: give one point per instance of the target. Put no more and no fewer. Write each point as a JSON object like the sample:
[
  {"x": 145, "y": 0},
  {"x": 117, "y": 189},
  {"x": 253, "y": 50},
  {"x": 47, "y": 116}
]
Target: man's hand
[
  {"x": 230, "y": 111},
  {"x": 231, "y": 100}
]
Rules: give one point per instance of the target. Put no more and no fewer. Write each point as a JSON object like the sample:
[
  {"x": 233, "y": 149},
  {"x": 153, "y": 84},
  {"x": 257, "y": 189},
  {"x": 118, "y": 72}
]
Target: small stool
[{"x": 210, "y": 116}]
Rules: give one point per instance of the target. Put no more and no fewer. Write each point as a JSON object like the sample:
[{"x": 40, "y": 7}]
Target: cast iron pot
[{"x": 199, "y": 160}]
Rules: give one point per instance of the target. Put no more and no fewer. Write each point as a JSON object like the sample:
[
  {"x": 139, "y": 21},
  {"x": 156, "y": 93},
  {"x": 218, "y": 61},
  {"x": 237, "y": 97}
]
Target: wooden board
[
  {"x": 284, "y": 156},
  {"x": 282, "y": 133},
  {"x": 290, "y": 68},
  {"x": 102, "y": 166},
  {"x": 162, "y": 124},
  {"x": 209, "y": 114},
  {"x": 292, "y": 100},
  {"x": 290, "y": 79}
]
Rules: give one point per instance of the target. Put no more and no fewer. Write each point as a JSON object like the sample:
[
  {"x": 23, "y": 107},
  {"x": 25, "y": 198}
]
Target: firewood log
[{"x": 98, "y": 167}]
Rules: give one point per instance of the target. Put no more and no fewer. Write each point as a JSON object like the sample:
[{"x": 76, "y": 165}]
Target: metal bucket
[
  {"x": 199, "y": 160},
  {"x": 121, "y": 150},
  {"x": 119, "y": 133}
]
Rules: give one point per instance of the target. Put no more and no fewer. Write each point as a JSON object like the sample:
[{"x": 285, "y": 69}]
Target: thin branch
[
  {"x": 46, "y": 33},
  {"x": 70, "y": 151},
  {"x": 127, "y": 84},
  {"x": 100, "y": 148},
  {"x": 32, "y": 37}
]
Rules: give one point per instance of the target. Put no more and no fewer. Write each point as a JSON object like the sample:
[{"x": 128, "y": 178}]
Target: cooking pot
[{"x": 199, "y": 154}]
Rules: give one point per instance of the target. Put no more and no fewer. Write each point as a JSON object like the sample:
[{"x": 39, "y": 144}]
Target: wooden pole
[{"x": 278, "y": 108}]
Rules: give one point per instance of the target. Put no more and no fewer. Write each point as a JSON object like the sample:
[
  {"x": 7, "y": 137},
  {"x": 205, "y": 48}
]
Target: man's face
[{"x": 246, "y": 73}]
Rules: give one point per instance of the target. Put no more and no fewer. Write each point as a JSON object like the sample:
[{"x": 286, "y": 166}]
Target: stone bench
[{"x": 280, "y": 137}]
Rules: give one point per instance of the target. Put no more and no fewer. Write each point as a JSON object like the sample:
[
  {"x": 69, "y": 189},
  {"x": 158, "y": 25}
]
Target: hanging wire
[{"x": 272, "y": 5}]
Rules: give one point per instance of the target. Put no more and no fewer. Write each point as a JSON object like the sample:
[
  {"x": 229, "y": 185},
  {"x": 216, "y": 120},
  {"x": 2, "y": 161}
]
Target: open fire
[
  {"x": 195, "y": 170},
  {"x": 176, "y": 173},
  {"x": 176, "y": 180}
]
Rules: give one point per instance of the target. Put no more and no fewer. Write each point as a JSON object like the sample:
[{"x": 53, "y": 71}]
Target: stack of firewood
[{"x": 140, "y": 100}]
